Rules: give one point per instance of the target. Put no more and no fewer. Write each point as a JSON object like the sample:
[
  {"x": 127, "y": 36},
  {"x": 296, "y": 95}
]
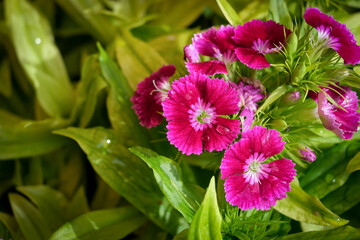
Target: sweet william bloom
[
  {"x": 256, "y": 38},
  {"x": 343, "y": 120},
  {"x": 149, "y": 95},
  {"x": 336, "y": 35},
  {"x": 216, "y": 43},
  {"x": 193, "y": 111},
  {"x": 249, "y": 182}
]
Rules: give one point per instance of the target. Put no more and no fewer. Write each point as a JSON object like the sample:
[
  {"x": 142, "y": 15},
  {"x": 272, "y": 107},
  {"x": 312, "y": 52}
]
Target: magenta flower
[
  {"x": 216, "y": 43},
  {"x": 256, "y": 38},
  {"x": 343, "y": 120},
  {"x": 307, "y": 154},
  {"x": 249, "y": 182},
  {"x": 193, "y": 111},
  {"x": 149, "y": 95},
  {"x": 336, "y": 35}
]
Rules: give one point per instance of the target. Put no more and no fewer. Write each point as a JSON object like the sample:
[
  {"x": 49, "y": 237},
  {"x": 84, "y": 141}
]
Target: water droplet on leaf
[
  {"x": 222, "y": 130},
  {"x": 37, "y": 41}
]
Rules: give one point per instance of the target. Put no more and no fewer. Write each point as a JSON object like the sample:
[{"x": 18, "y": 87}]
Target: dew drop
[
  {"x": 222, "y": 130},
  {"x": 37, "y": 41},
  {"x": 330, "y": 179},
  {"x": 108, "y": 141},
  {"x": 172, "y": 92},
  {"x": 205, "y": 138}
]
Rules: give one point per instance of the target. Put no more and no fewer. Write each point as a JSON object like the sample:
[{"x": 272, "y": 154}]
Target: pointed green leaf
[
  {"x": 32, "y": 223},
  {"x": 354, "y": 164},
  {"x": 229, "y": 12},
  {"x": 36, "y": 50},
  {"x": 275, "y": 95},
  {"x": 280, "y": 13},
  {"x": 111, "y": 224},
  {"x": 24, "y": 138},
  {"x": 206, "y": 224},
  {"x": 346, "y": 232},
  {"x": 78, "y": 205},
  {"x": 302, "y": 207},
  {"x": 10, "y": 223},
  {"x": 130, "y": 52},
  {"x": 51, "y": 203},
  {"x": 126, "y": 174},
  {"x": 169, "y": 177},
  {"x": 122, "y": 117},
  {"x": 104, "y": 197}
]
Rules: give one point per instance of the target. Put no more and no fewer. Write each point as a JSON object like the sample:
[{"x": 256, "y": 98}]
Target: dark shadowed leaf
[{"x": 346, "y": 232}]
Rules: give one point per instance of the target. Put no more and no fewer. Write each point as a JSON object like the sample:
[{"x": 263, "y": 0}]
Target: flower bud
[
  {"x": 298, "y": 73},
  {"x": 292, "y": 44},
  {"x": 278, "y": 124},
  {"x": 307, "y": 154},
  {"x": 291, "y": 98}
]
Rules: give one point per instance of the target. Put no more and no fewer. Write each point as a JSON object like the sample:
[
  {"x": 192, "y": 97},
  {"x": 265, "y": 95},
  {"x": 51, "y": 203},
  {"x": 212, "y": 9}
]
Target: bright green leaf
[
  {"x": 346, "y": 232},
  {"x": 302, "y": 207},
  {"x": 39, "y": 56},
  {"x": 229, "y": 12},
  {"x": 206, "y": 224},
  {"x": 126, "y": 174},
  {"x": 25, "y": 138},
  {"x": 111, "y": 224},
  {"x": 33, "y": 225},
  {"x": 169, "y": 177}
]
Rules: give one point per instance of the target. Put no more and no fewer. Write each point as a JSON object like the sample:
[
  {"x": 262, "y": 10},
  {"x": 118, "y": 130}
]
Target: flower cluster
[{"x": 208, "y": 110}]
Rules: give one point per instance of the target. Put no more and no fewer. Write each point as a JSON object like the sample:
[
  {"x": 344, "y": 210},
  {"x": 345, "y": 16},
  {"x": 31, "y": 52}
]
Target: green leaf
[
  {"x": 36, "y": 50},
  {"x": 346, "y": 232},
  {"x": 10, "y": 223},
  {"x": 51, "y": 203},
  {"x": 207, "y": 221},
  {"x": 84, "y": 12},
  {"x": 5, "y": 79},
  {"x": 78, "y": 205},
  {"x": 178, "y": 14},
  {"x": 104, "y": 197},
  {"x": 32, "y": 223},
  {"x": 126, "y": 174},
  {"x": 122, "y": 117},
  {"x": 130, "y": 52},
  {"x": 345, "y": 197},
  {"x": 255, "y": 9},
  {"x": 229, "y": 12},
  {"x": 280, "y": 13},
  {"x": 25, "y": 138},
  {"x": 328, "y": 172},
  {"x": 109, "y": 224},
  {"x": 354, "y": 164},
  {"x": 302, "y": 207},
  {"x": 275, "y": 95},
  {"x": 91, "y": 84},
  {"x": 169, "y": 178}
]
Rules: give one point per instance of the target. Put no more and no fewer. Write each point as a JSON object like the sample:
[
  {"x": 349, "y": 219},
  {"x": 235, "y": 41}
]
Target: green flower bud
[
  {"x": 298, "y": 73},
  {"x": 278, "y": 124},
  {"x": 292, "y": 44}
]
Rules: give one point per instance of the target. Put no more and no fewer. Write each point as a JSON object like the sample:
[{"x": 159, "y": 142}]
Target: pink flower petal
[
  {"x": 208, "y": 68},
  {"x": 252, "y": 58}
]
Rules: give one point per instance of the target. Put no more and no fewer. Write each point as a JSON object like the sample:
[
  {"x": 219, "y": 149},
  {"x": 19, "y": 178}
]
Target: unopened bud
[
  {"x": 298, "y": 73},
  {"x": 291, "y": 98},
  {"x": 307, "y": 154},
  {"x": 292, "y": 43},
  {"x": 278, "y": 124}
]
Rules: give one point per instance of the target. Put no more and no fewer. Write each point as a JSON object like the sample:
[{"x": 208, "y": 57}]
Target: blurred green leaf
[
  {"x": 78, "y": 205},
  {"x": 51, "y": 203},
  {"x": 206, "y": 160},
  {"x": 109, "y": 224},
  {"x": 302, "y": 207},
  {"x": 10, "y": 223},
  {"x": 104, "y": 197},
  {"x": 5, "y": 79},
  {"x": 328, "y": 172},
  {"x": 25, "y": 138},
  {"x": 122, "y": 117},
  {"x": 91, "y": 84},
  {"x": 132, "y": 52},
  {"x": 85, "y": 13},
  {"x": 255, "y": 9},
  {"x": 229, "y": 12},
  {"x": 346, "y": 232},
  {"x": 126, "y": 174},
  {"x": 178, "y": 14},
  {"x": 186, "y": 199},
  {"x": 345, "y": 197},
  {"x": 40, "y": 57},
  {"x": 207, "y": 221},
  {"x": 33, "y": 225},
  {"x": 354, "y": 164},
  {"x": 280, "y": 13}
]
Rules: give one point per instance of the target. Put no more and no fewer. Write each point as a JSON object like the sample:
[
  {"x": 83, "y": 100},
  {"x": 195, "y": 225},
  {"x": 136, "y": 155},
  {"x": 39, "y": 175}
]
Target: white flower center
[
  {"x": 262, "y": 46},
  {"x": 201, "y": 115},
  {"x": 253, "y": 168},
  {"x": 329, "y": 41}
]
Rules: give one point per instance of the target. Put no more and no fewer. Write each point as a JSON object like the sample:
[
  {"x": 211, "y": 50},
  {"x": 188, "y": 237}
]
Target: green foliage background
[{"x": 76, "y": 164}]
